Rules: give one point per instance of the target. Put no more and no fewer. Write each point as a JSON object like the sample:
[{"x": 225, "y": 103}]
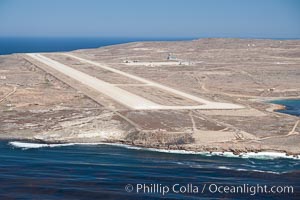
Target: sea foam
[{"x": 258, "y": 155}]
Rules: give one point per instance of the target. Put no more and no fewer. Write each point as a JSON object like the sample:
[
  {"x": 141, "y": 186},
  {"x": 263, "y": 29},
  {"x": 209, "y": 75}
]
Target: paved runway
[{"x": 122, "y": 96}]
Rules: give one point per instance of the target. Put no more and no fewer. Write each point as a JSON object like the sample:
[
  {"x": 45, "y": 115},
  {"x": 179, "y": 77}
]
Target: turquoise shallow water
[{"x": 292, "y": 106}]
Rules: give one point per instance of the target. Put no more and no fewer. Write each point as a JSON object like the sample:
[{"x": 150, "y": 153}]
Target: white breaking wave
[
  {"x": 258, "y": 155},
  {"x": 248, "y": 170},
  {"x": 256, "y": 170},
  {"x": 37, "y": 145},
  {"x": 223, "y": 167},
  {"x": 31, "y": 145}
]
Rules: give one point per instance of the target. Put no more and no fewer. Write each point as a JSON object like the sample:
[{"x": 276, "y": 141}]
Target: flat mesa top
[
  {"x": 122, "y": 96},
  {"x": 201, "y": 95}
]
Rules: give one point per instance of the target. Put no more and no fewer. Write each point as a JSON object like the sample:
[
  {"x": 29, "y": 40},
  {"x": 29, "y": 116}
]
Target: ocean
[
  {"x": 102, "y": 171},
  {"x": 105, "y": 172},
  {"x": 9, "y": 45},
  {"x": 292, "y": 106}
]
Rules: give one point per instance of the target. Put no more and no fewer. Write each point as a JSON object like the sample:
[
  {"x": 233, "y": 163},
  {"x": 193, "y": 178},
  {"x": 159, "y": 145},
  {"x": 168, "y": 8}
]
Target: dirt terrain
[{"x": 39, "y": 103}]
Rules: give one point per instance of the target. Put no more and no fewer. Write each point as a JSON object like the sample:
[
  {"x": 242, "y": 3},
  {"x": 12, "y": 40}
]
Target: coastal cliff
[{"x": 40, "y": 104}]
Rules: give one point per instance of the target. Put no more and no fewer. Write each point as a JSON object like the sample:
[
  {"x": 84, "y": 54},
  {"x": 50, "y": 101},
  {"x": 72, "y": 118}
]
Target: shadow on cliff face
[{"x": 159, "y": 138}]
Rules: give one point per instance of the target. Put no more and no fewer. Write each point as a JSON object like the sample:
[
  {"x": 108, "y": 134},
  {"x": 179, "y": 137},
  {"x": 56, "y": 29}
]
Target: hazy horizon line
[{"x": 155, "y": 37}]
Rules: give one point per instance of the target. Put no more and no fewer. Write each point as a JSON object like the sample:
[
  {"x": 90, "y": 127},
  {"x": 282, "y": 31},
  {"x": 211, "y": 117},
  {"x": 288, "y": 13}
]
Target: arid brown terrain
[{"x": 38, "y": 102}]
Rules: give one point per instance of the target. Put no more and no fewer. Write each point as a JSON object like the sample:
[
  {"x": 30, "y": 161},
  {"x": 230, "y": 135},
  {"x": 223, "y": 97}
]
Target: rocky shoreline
[
  {"x": 239, "y": 153},
  {"x": 44, "y": 106}
]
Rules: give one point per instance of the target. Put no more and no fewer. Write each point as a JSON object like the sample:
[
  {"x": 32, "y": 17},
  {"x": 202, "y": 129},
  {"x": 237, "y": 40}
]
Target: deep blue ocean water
[
  {"x": 292, "y": 106},
  {"x": 103, "y": 171},
  {"x": 10, "y": 45}
]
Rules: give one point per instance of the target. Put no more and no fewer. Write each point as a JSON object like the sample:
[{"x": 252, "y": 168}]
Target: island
[{"x": 206, "y": 95}]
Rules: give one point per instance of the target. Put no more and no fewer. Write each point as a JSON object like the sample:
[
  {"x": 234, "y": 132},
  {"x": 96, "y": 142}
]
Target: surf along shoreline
[
  {"x": 234, "y": 148},
  {"x": 259, "y": 153},
  {"x": 210, "y": 151},
  {"x": 265, "y": 155}
]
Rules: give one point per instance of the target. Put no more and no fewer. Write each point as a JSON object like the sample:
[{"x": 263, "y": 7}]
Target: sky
[{"x": 150, "y": 18}]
